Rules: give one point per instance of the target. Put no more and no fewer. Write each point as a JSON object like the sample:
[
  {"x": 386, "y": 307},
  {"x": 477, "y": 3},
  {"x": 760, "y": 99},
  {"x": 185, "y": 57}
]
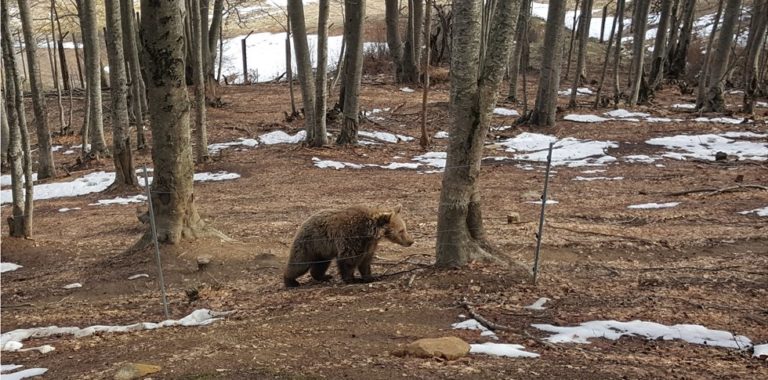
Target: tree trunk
[
  {"x": 607, "y": 58},
  {"x": 5, "y": 130},
  {"x": 474, "y": 88},
  {"x": 77, "y": 59},
  {"x": 125, "y": 174},
  {"x": 62, "y": 54},
  {"x": 584, "y": 21},
  {"x": 199, "y": 72},
  {"x": 716, "y": 79},
  {"x": 288, "y": 68},
  {"x": 573, "y": 38},
  {"x": 393, "y": 37},
  {"x": 639, "y": 89},
  {"x": 46, "y": 167},
  {"x": 131, "y": 51},
  {"x": 701, "y": 91},
  {"x": 679, "y": 55},
  {"x": 93, "y": 78},
  {"x": 424, "y": 140},
  {"x": 660, "y": 45},
  {"x": 320, "y": 137},
  {"x": 757, "y": 33},
  {"x": 162, "y": 26},
  {"x": 617, "y": 53},
  {"x": 62, "y": 126},
  {"x": 19, "y": 154},
  {"x": 214, "y": 32},
  {"x": 412, "y": 48},
  {"x": 549, "y": 81},
  {"x": 521, "y": 39},
  {"x": 353, "y": 32},
  {"x": 303, "y": 65}
]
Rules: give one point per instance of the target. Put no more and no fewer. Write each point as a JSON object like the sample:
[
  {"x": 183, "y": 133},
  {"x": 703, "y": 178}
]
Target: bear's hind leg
[
  {"x": 292, "y": 272},
  {"x": 318, "y": 270}
]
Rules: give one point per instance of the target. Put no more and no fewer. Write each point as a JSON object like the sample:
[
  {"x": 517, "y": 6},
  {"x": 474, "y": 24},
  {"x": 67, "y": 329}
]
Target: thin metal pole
[
  {"x": 157, "y": 245},
  {"x": 541, "y": 217}
]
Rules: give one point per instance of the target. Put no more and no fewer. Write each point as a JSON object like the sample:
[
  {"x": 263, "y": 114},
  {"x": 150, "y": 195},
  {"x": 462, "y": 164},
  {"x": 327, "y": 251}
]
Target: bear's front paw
[
  {"x": 324, "y": 278},
  {"x": 369, "y": 279}
]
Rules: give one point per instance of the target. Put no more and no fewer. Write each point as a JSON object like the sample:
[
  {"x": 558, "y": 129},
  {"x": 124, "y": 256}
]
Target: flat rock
[
  {"x": 449, "y": 348},
  {"x": 132, "y": 371}
]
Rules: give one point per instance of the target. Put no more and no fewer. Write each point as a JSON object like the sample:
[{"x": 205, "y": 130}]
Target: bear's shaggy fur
[{"x": 350, "y": 236}]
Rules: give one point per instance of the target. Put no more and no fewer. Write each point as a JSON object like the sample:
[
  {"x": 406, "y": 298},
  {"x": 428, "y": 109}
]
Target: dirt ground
[{"x": 700, "y": 262}]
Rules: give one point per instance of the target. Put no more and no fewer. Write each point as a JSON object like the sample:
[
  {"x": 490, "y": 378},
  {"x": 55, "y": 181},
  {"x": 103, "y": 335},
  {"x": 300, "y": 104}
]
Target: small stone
[
  {"x": 132, "y": 371},
  {"x": 513, "y": 217},
  {"x": 203, "y": 261},
  {"x": 449, "y": 348},
  {"x": 739, "y": 178},
  {"x": 721, "y": 156}
]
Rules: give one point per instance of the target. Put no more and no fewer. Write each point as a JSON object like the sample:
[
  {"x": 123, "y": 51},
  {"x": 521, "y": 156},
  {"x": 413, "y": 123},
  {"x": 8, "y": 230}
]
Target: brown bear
[{"x": 350, "y": 236}]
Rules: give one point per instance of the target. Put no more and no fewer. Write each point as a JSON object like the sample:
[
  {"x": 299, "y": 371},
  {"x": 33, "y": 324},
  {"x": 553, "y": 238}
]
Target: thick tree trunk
[
  {"x": 716, "y": 80},
  {"x": 584, "y": 20},
  {"x": 639, "y": 89},
  {"x": 701, "y": 91},
  {"x": 198, "y": 71},
  {"x": 46, "y": 167},
  {"x": 5, "y": 130},
  {"x": 543, "y": 114},
  {"x": 77, "y": 59},
  {"x": 125, "y": 174},
  {"x": 599, "y": 90},
  {"x": 660, "y": 45},
  {"x": 354, "y": 11},
  {"x": 571, "y": 40},
  {"x": 460, "y": 233},
  {"x": 392, "y": 16},
  {"x": 679, "y": 55},
  {"x": 521, "y": 39},
  {"x": 19, "y": 154},
  {"x": 303, "y": 65},
  {"x": 755, "y": 42},
  {"x": 62, "y": 126},
  {"x": 93, "y": 78},
  {"x": 131, "y": 51},
  {"x": 321, "y": 98},
  {"x": 412, "y": 48},
  {"x": 214, "y": 32},
  {"x": 162, "y": 25}
]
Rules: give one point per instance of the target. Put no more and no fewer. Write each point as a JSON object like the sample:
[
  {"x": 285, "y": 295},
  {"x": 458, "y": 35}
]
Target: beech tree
[
  {"x": 543, "y": 113},
  {"x": 474, "y": 89},
  {"x": 678, "y": 57},
  {"x": 405, "y": 55},
  {"x": 714, "y": 101},
  {"x": 585, "y": 18},
  {"x": 303, "y": 64},
  {"x": 638, "y": 91},
  {"x": 46, "y": 168},
  {"x": 131, "y": 51},
  {"x": 660, "y": 45},
  {"x": 198, "y": 73},
  {"x": 91, "y": 45},
  {"x": 755, "y": 43},
  {"x": 354, "y": 11},
  {"x": 521, "y": 40}
]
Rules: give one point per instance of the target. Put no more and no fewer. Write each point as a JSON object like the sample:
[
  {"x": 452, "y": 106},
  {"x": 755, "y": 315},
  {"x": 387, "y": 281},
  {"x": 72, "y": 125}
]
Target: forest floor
[{"x": 700, "y": 262}]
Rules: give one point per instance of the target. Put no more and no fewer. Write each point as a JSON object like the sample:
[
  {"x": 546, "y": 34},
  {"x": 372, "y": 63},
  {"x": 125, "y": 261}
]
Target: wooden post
[
  {"x": 537, "y": 256},
  {"x": 245, "y": 58},
  {"x": 602, "y": 24}
]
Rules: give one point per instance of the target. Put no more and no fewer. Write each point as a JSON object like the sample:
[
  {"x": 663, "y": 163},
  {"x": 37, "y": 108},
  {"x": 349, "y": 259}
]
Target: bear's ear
[
  {"x": 397, "y": 208},
  {"x": 383, "y": 219}
]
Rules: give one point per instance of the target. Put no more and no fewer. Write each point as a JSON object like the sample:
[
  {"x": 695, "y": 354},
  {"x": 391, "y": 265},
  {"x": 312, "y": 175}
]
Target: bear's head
[{"x": 394, "y": 227}]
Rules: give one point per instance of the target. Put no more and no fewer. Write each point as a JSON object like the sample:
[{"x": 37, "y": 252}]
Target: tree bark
[
  {"x": 679, "y": 55},
  {"x": 77, "y": 59},
  {"x": 214, "y": 32},
  {"x": 412, "y": 48},
  {"x": 424, "y": 140},
  {"x": 607, "y": 56},
  {"x": 162, "y": 25},
  {"x": 660, "y": 45},
  {"x": 19, "y": 153},
  {"x": 93, "y": 78},
  {"x": 125, "y": 173},
  {"x": 199, "y": 72},
  {"x": 617, "y": 53},
  {"x": 46, "y": 167},
  {"x": 5, "y": 130},
  {"x": 353, "y": 32},
  {"x": 521, "y": 39},
  {"x": 755, "y": 42},
  {"x": 60, "y": 44},
  {"x": 303, "y": 65},
  {"x": 716, "y": 80},
  {"x": 395, "y": 44},
  {"x": 701, "y": 91},
  {"x": 570, "y": 42},
  {"x": 131, "y": 51},
  {"x": 320, "y": 137},
  {"x": 584, "y": 20},
  {"x": 543, "y": 114},
  {"x": 639, "y": 89},
  {"x": 474, "y": 89}
]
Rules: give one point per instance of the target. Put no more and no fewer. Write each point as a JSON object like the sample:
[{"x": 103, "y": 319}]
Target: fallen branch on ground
[
  {"x": 715, "y": 191},
  {"x": 484, "y": 321}
]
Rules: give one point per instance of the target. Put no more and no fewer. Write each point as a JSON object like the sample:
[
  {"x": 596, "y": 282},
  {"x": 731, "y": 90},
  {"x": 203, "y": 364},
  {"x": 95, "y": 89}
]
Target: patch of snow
[
  {"x": 641, "y": 158},
  {"x": 407, "y": 89},
  {"x": 501, "y": 349},
  {"x": 44, "y": 349},
  {"x": 9, "y": 367},
  {"x": 120, "y": 200},
  {"x": 500, "y": 128},
  {"x": 69, "y": 152},
  {"x": 614, "y": 330},
  {"x": 593, "y": 171},
  {"x": 200, "y": 317},
  {"x": 539, "y": 304},
  {"x": 9, "y": 267},
  {"x": 505, "y": 112},
  {"x": 568, "y": 151},
  {"x": 622, "y": 113},
  {"x": 280, "y": 137},
  {"x": 472, "y": 324},
  {"x": 400, "y": 165},
  {"x": 74, "y": 285},
  {"x": 56, "y": 148},
  {"x": 433, "y": 159},
  {"x": 654, "y": 205},
  {"x": 585, "y": 118},
  {"x": 761, "y": 104},
  {"x": 746, "y": 134},
  {"x": 579, "y": 91},
  {"x": 23, "y": 374},
  {"x": 218, "y": 176},
  {"x": 722, "y": 120},
  {"x": 385, "y": 136},
  {"x": 661, "y": 120},
  {"x": 684, "y": 106},
  {"x": 549, "y": 202},
  {"x": 5, "y": 179},
  {"x": 140, "y": 275},
  {"x": 323, "y": 164},
  {"x": 760, "y": 350},
  {"x": 759, "y": 211},
  {"x": 705, "y": 146},
  {"x": 580, "y": 178},
  {"x": 441, "y": 135},
  {"x": 215, "y": 148},
  {"x": 67, "y": 209}
]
